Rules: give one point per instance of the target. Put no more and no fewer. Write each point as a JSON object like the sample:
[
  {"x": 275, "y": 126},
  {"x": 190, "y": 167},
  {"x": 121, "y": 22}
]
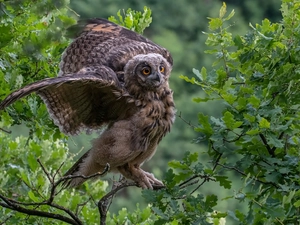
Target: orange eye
[
  {"x": 162, "y": 69},
  {"x": 146, "y": 71}
]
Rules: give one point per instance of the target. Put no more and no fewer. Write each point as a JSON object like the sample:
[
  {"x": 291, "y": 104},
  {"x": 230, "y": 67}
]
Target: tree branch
[
  {"x": 6, "y": 131},
  {"x": 23, "y": 207},
  {"x": 106, "y": 200},
  {"x": 33, "y": 212},
  {"x": 270, "y": 150}
]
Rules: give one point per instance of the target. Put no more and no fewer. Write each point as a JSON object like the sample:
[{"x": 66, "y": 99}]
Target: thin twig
[
  {"x": 244, "y": 174},
  {"x": 69, "y": 212},
  {"x": 58, "y": 170},
  {"x": 6, "y": 131},
  {"x": 45, "y": 171},
  {"x": 81, "y": 205},
  {"x": 5, "y": 220},
  {"x": 270, "y": 150},
  {"x": 189, "y": 184},
  {"x": 204, "y": 181},
  {"x": 70, "y": 177},
  {"x": 217, "y": 161},
  {"x": 187, "y": 122},
  {"x": 188, "y": 180}
]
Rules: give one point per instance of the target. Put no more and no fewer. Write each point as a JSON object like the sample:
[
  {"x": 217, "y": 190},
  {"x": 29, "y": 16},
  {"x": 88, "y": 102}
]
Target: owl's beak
[{"x": 156, "y": 77}]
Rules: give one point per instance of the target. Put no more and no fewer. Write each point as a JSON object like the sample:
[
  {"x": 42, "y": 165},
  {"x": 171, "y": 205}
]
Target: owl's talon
[{"x": 150, "y": 181}]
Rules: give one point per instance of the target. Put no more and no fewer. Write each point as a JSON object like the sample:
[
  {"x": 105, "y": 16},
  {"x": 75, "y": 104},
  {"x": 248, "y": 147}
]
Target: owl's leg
[
  {"x": 143, "y": 179},
  {"x": 85, "y": 166},
  {"x": 115, "y": 147}
]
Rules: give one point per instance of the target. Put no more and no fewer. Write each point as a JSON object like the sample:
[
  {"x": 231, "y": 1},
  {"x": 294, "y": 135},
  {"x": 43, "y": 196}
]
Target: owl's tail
[{"x": 82, "y": 170}]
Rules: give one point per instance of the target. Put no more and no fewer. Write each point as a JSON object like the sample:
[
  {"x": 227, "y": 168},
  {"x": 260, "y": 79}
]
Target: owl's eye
[
  {"x": 162, "y": 69},
  {"x": 146, "y": 71}
]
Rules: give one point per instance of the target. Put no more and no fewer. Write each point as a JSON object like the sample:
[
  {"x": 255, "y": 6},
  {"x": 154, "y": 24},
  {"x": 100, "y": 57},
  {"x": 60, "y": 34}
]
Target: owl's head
[{"x": 149, "y": 71}]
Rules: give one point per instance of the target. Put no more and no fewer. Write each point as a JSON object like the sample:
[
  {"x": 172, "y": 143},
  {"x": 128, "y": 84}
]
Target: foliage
[
  {"x": 256, "y": 138},
  {"x": 256, "y": 76},
  {"x": 31, "y": 46},
  {"x": 133, "y": 20}
]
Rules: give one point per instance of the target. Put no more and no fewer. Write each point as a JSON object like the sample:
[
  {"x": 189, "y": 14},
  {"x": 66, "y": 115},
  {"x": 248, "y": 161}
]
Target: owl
[{"x": 115, "y": 78}]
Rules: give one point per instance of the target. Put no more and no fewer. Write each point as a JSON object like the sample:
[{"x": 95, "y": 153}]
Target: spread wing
[
  {"x": 101, "y": 42},
  {"x": 86, "y": 100}
]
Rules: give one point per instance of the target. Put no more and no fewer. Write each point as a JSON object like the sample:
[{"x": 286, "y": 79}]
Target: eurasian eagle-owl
[{"x": 110, "y": 76}]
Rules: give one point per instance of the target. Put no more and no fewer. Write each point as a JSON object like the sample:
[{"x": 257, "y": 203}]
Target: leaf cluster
[
  {"x": 32, "y": 41},
  {"x": 133, "y": 20},
  {"x": 256, "y": 77}
]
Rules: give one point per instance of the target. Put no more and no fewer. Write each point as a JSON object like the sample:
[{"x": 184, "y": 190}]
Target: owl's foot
[
  {"x": 154, "y": 183},
  {"x": 143, "y": 179}
]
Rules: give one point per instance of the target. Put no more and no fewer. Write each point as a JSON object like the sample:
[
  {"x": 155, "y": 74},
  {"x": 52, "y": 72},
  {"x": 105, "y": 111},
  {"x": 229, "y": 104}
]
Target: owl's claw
[
  {"x": 150, "y": 182},
  {"x": 142, "y": 178}
]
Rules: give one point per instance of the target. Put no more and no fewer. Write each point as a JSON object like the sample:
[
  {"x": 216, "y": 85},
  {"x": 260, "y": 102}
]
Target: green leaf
[
  {"x": 222, "y": 10},
  {"x": 230, "y": 15},
  {"x": 215, "y": 23},
  {"x": 230, "y": 98},
  {"x": 32, "y": 196},
  {"x": 145, "y": 214},
  {"x": 198, "y": 100},
  {"x": 248, "y": 117},
  {"x": 288, "y": 198},
  {"x": 198, "y": 74},
  {"x": 190, "y": 80},
  {"x": 177, "y": 165},
  {"x": 211, "y": 201},
  {"x": 160, "y": 213},
  {"x": 264, "y": 123},
  {"x": 205, "y": 126},
  {"x": 254, "y": 101},
  {"x": 32, "y": 161},
  {"x": 228, "y": 119},
  {"x": 253, "y": 131},
  {"x": 204, "y": 73},
  {"x": 297, "y": 204},
  {"x": 189, "y": 157},
  {"x": 241, "y": 103},
  {"x": 169, "y": 178},
  {"x": 275, "y": 212},
  {"x": 174, "y": 222},
  {"x": 274, "y": 141},
  {"x": 224, "y": 182}
]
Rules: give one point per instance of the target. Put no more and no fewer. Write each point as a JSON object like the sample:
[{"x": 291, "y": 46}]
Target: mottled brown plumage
[{"x": 110, "y": 76}]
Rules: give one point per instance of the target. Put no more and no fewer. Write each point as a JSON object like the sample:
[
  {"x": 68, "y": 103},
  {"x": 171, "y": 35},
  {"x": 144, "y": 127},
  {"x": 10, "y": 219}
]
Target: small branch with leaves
[{"x": 66, "y": 215}]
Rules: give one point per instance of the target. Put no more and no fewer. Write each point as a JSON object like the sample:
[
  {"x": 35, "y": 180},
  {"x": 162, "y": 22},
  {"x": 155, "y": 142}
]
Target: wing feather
[{"x": 81, "y": 101}]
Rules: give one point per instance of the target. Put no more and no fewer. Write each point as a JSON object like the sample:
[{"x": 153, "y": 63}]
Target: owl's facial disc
[
  {"x": 150, "y": 71},
  {"x": 150, "y": 74}
]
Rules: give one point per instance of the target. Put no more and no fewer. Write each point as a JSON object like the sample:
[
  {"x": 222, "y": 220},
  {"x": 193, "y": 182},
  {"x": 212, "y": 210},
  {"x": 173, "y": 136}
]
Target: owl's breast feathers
[{"x": 155, "y": 118}]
